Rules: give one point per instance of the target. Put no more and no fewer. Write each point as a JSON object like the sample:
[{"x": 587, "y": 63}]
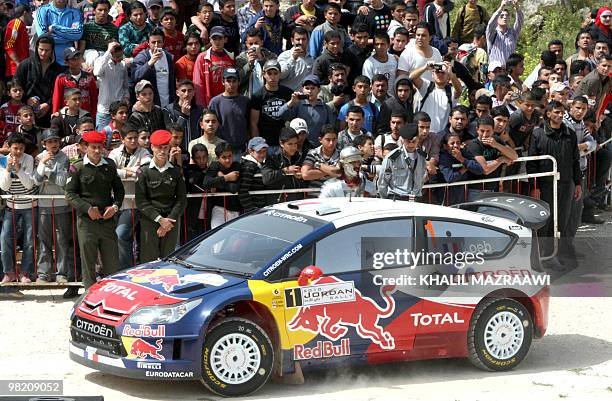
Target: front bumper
[{"x": 147, "y": 369}]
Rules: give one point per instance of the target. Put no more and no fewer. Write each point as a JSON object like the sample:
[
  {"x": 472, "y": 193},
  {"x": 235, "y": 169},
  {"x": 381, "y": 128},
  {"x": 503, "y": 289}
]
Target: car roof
[{"x": 344, "y": 211}]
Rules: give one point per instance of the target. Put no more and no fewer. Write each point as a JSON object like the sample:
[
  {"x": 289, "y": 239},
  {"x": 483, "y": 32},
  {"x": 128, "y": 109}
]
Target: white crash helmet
[{"x": 349, "y": 155}]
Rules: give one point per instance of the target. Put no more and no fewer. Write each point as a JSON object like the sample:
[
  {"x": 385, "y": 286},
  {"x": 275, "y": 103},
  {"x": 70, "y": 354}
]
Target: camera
[
  {"x": 371, "y": 168},
  {"x": 303, "y": 96},
  {"x": 438, "y": 66},
  {"x": 338, "y": 90}
]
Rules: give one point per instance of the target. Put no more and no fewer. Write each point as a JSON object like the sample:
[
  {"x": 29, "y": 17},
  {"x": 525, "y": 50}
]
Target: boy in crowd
[
  {"x": 54, "y": 223},
  {"x": 361, "y": 87},
  {"x": 65, "y": 121},
  {"x": 209, "y": 67},
  {"x": 77, "y": 150},
  {"x": 381, "y": 62},
  {"x": 75, "y": 77},
  {"x": 229, "y": 208},
  {"x": 177, "y": 156},
  {"x": 251, "y": 175},
  {"x": 28, "y": 128},
  {"x": 128, "y": 158},
  {"x": 320, "y": 163},
  {"x": 112, "y": 72},
  {"x": 354, "y": 127},
  {"x": 17, "y": 178},
  {"x": 119, "y": 114},
  {"x": 209, "y": 124},
  {"x": 183, "y": 67},
  {"x": 451, "y": 155},
  {"x": 9, "y": 121},
  {"x": 226, "y": 18},
  {"x": 332, "y": 13},
  {"x": 197, "y": 181},
  {"x": 184, "y": 112},
  {"x": 284, "y": 169},
  {"x": 397, "y": 121},
  {"x": 399, "y": 42},
  {"x": 173, "y": 38},
  {"x": 145, "y": 113}
]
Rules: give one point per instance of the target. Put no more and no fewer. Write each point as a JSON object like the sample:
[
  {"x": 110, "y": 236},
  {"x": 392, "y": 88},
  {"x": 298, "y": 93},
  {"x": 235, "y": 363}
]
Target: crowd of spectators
[{"x": 366, "y": 99}]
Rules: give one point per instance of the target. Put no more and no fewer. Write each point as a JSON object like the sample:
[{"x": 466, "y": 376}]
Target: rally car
[{"x": 322, "y": 282}]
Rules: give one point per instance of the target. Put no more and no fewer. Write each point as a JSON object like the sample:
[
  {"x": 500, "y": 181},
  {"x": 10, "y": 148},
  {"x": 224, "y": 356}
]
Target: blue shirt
[{"x": 369, "y": 117}]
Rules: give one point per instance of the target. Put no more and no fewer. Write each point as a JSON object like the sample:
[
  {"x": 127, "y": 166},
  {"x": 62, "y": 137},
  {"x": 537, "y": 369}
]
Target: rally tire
[
  {"x": 499, "y": 335},
  {"x": 228, "y": 348}
]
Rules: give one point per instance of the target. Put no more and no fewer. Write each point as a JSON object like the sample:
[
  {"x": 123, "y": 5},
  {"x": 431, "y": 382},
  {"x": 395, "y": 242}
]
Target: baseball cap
[
  {"x": 50, "y": 134},
  {"x": 257, "y": 143},
  {"x": 494, "y": 65},
  {"x": 231, "y": 72},
  {"x": 272, "y": 65},
  {"x": 408, "y": 131},
  {"x": 558, "y": 87},
  {"x": 70, "y": 53},
  {"x": 156, "y": 3},
  {"x": 299, "y": 125},
  {"x": 141, "y": 85},
  {"x": 217, "y": 31},
  {"x": 312, "y": 79},
  {"x": 483, "y": 91}
]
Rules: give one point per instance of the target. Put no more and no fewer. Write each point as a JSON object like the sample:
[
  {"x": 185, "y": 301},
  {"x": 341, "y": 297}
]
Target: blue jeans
[
  {"x": 126, "y": 232},
  {"x": 102, "y": 120},
  {"x": 8, "y": 240}
]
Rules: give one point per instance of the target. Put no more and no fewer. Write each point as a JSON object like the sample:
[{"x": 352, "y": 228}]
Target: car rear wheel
[
  {"x": 237, "y": 357},
  {"x": 500, "y": 334}
]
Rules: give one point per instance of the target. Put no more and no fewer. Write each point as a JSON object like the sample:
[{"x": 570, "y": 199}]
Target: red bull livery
[{"x": 318, "y": 283}]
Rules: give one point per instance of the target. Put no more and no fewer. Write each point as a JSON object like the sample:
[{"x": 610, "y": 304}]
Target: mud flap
[{"x": 290, "y": 378}]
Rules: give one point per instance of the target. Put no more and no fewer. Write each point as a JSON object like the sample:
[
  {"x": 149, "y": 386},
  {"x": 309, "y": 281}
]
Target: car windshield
[{"x": 248, "y": 243}]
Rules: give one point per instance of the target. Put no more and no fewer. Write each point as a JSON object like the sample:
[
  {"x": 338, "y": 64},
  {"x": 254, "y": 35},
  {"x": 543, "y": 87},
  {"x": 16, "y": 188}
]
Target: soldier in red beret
[
  {"x": 96, "y": 192},
  {"x": 161, "y": 197}
]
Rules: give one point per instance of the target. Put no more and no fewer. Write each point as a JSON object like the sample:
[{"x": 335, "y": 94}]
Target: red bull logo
[
  {"x": 168, "y": 278},
  {"x": 331, "y": 319},
  {"x": 143, "y": 349},
  {"x": 324, "y": 349}
]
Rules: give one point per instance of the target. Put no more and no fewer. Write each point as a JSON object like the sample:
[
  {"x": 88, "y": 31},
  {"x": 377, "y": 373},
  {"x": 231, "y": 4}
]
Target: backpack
[{"x": 430, "y": 89}]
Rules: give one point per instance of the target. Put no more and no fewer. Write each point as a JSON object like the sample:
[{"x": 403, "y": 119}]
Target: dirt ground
[{"x": 573, "y": 361}]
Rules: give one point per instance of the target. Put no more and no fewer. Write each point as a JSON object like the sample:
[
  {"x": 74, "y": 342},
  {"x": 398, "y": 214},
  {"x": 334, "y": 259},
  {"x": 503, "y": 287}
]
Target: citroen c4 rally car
[{"x": 317, "y": 283}]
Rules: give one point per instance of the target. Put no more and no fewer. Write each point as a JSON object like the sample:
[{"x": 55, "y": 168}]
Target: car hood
[{"x": 157, "y": 283}]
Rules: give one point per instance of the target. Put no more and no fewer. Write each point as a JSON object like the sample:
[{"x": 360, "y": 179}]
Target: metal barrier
[{"x": 553, "y": 173}]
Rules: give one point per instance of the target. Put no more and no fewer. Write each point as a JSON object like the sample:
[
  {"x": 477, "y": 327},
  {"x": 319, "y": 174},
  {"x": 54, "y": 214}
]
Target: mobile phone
[{"x": 303, "y": 96}]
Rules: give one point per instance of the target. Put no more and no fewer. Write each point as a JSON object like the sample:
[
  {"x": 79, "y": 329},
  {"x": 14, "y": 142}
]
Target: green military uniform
[
  {"x": 98, "y": 186},
  {"x": 160, "y": 192}
]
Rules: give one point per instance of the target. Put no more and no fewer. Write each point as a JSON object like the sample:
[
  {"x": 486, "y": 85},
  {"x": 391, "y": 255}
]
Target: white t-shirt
[
  {"x": 436, "y": 105},
  {"x": 372, "y": 67},
  {"x": 411, "y": 59},
  {"x": 162, "y": 74}
]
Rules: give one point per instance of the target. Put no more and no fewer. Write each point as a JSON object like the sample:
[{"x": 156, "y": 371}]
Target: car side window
[
  {"x": 448, "y": 236},
  {"x": 353, "y": 248}
]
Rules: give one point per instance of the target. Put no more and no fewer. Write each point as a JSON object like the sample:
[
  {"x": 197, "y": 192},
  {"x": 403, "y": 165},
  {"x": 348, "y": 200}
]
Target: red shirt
[
  {"x": 16, "y": 41},
  {"x": 87, "y": 85},
  {"x": 8, "y": 119},
  {"x": 183, "y": 69},
  {"x": 208, "y": 74},
  {"x": 175, "y": 45}
]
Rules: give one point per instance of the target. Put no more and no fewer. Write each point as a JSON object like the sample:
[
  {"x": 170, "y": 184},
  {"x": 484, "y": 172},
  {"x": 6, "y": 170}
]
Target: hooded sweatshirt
[
  {"x": 66, "y": 23},
  {"x": 31, "y": 77}
]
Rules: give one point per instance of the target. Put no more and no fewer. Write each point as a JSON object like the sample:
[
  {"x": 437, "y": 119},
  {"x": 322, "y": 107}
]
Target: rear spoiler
[{"x": 527, "y": 211}]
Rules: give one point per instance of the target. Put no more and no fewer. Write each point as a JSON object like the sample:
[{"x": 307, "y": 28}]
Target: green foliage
[{"x": 551, "y": 22}]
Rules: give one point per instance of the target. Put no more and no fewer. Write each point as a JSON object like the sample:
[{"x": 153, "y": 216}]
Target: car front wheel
[
  {"x": 500, "y": 334},
  {"x": 237, "y": 358}
]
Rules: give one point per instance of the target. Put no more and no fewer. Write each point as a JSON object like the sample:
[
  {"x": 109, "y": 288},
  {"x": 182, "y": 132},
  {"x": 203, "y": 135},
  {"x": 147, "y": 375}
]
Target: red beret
[
  {"x": 94, "y": 137},
  {"x": 160, "y": 137}
]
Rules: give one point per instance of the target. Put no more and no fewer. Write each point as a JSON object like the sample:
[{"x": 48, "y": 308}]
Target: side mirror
[{"x": 308, "y": 274}]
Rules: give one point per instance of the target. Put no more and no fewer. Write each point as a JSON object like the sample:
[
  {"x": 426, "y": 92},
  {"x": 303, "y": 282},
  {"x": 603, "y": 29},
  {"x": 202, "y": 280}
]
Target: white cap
[
  {"x": 558, "y": 87},
  {"x": 299, "y": 125}
]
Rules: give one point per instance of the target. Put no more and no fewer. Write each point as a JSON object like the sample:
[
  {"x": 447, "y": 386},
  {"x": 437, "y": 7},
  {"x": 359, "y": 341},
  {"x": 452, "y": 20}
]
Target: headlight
[{"x": 162, "y": 314}]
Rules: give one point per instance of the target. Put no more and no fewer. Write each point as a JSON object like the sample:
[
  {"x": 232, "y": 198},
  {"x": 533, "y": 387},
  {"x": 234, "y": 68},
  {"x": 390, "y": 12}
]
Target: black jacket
[
  {"x": 250, "y": 180},
  {"x": 35, "y": 83},
  {"x": 230, "y": 202},
  {"x": 562, "y": 145},
  {"x": 150, "y": 121},
  {"x": 190, "y": 123},
  {"x": 274, "y": 178}
]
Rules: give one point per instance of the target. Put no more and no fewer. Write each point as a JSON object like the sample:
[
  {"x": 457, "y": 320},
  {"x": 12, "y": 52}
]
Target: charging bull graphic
[
  {"x": 168, "y": 278},
  {"x": 330, "y": 319},
  {"x": 143, "y": 349}
]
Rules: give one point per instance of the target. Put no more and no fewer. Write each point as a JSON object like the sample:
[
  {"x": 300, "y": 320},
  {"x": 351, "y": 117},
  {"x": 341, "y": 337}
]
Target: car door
[{"x": 350, "y": 308}]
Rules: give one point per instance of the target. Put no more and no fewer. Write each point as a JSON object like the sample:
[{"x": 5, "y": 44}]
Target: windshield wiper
[{"x": 198, "y": 267}]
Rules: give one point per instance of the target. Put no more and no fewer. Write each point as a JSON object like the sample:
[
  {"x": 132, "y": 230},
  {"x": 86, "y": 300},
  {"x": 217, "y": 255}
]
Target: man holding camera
[
  {"x": 336, "y": 93},
  {"x": 296, "y": 63},
  {"x": 308, "y": 106}
]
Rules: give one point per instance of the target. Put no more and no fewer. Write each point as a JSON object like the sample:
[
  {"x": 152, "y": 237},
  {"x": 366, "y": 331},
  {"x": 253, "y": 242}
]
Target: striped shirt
[
  {"x": 19, "y": 182},
  {"x": 98, "y": 36},
  {"x": 502, "y": 44},
  {"x": 316, "y": 156}
]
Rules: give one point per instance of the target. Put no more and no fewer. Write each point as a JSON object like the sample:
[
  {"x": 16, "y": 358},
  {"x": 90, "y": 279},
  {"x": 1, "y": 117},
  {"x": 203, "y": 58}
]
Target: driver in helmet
[{"x": 352, "y": 181}]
